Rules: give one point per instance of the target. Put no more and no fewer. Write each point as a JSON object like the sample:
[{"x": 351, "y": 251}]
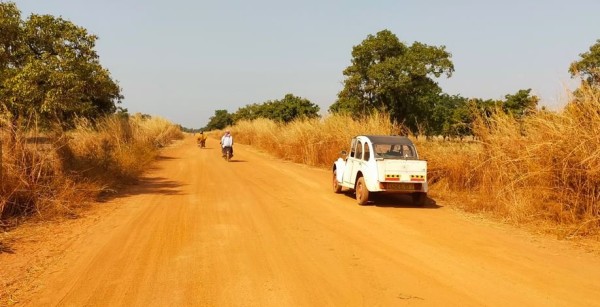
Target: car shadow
[{"x": 395, "y": 201}]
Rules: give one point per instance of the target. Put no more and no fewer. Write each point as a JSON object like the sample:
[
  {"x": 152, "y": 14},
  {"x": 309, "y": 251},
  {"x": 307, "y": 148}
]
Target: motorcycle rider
[
  {"x": 201, "y": 139},
  {"x": 227, "y": 141}
]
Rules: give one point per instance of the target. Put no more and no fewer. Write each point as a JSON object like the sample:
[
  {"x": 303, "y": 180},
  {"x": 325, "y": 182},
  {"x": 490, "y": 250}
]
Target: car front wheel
[{"x": 337, "y": 188}]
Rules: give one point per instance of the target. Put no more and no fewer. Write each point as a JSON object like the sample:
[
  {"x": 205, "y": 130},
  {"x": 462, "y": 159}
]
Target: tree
[
  {"x": 387, "y": 75},
  {"x": 451, "y": 117},
  {"x": 248, "y": 112},
  {"x": 521, "y": 103},
  {"x": 10, "y": 25},
  {"x": 588, "y": 67},
  {"x": 50, "y": 71},
  {"x": 220, "y": 120},
  {"x": 285, "y": 110},
  {"x": 292, "y": 107}
]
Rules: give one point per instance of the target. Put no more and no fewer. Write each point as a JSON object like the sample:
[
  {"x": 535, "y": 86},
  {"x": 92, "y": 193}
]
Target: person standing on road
[{"x": 227, "y": 141}]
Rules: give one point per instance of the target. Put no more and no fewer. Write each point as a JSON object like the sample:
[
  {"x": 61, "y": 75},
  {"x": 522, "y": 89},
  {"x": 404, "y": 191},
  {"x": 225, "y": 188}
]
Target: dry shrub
[
  {"x": 451, "y": 163},
  {"x": 32, "y": 179},
  {"x": 52, "y": 174},
  {"x": 117, "y": 149},
  {"x": 545, "y": 167}
]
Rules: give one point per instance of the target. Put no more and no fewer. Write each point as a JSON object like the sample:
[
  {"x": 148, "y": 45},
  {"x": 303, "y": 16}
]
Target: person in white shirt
[{"x": 227, "y": 141}]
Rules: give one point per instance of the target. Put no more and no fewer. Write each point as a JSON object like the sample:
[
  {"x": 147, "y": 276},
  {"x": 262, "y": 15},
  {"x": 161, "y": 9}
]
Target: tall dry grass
[
  {"x": 48, "y": 174},
  {"x": 314, "y": 142},
  {"x": 544, "y": 167},
  {"x": 543, "y": 170},
  {"x": 32, "y": 179},
  {"x": 116, "y": 149}
]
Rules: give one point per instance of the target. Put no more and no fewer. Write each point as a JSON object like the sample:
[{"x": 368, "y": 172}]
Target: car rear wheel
[
  {"x": 419, "y": 199},
  {"x": 362, "y": 193}
]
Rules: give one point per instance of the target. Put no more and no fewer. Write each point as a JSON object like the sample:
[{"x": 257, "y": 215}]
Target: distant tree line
[
  {"x": 51, "y": 74},
  {"x": 390, "y": 76},
  {"x": 285, "y": 110}
]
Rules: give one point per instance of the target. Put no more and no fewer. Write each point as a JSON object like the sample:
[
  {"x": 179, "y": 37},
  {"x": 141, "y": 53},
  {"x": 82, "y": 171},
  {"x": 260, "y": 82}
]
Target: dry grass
[
  {"x": 46, "y": 174},
  {"x": 314, "y": 142},
  {"x": 545, "y": 167},
  {"x": 543, "y": 171},
  {"x": 32, "y": 179},
  {"x": 116, "y": 149}
]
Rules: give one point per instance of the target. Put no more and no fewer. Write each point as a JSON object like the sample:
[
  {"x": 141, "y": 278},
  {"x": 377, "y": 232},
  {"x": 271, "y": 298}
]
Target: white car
[{"x": 381, "y": 164}]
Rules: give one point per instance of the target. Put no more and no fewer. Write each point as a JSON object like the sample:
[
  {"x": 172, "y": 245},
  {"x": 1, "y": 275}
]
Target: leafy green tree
[
  {"x": 450, "y": 117},
  {"x": 388, "y": 75},
  {"x": 10, "y": 23},
  {"x": 10, "y": 29},
  {"x": 50, "y": 71},
  {"x": 248, "y": 112},
  {"x": 521, "y": 103},
  {"x": 220, "y": 120},
  {"x": 588, "y": 67},
  {"x": 285, "y": 110},
  {"x": 290, "y": 108}
]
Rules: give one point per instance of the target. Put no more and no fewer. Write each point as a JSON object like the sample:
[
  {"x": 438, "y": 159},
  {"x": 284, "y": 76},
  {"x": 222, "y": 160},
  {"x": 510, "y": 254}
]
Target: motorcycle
[{"x": 228, "y": 153}]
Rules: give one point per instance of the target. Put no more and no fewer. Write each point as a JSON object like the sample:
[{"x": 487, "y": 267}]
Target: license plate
[{"x": 400, "y": 186}]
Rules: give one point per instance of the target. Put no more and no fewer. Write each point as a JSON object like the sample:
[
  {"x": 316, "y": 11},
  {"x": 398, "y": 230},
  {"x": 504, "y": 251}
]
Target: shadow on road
[
  {"x": 145, "y": 185},
  {"x": 155, "y": 166},
  {"x": 164, "y": 158},
  {"x": 396, "y": 201},
  {"x": 6, "y": 249}
]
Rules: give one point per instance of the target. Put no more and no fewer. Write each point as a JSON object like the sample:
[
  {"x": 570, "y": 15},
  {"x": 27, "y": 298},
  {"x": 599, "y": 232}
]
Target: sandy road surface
[{"x": 198, "y": 231}]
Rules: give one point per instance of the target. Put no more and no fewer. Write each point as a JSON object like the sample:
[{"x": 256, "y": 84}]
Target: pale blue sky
[{"x": 183, "y": 59}]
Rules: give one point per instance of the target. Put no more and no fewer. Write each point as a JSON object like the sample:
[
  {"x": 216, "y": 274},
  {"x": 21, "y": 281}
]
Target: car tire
[
  {"x": 419, "y": 199},
  {"x": 337, "y": 188},
  {"x": 362, "y": 193}
]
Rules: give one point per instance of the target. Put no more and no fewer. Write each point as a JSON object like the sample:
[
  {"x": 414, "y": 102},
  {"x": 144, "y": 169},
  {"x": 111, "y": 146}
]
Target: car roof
[{"x": 388, "y": 139}]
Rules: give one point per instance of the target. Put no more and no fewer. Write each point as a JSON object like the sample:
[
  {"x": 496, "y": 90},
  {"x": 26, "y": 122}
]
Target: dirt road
[{"x": 198, "y": 231}]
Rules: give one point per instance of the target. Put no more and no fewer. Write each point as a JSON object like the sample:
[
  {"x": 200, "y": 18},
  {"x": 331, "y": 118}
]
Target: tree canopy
[
  {"x": 50, "y": 71},
  {"x": 284, "y": 110},
  {"x": 220, "y": 120},
  {"x": 388, "y": 75},
  {"x": 588, "y": 67},
  {"x": 521, "y": 103}
]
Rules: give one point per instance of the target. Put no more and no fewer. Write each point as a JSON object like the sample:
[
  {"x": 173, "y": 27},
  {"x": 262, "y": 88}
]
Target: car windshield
[{"x": 394, "y": 151}]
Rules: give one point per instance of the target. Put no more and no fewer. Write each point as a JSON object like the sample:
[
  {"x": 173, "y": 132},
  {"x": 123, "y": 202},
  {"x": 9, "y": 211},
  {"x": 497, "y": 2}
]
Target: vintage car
[{"x": 381, "y": 164}]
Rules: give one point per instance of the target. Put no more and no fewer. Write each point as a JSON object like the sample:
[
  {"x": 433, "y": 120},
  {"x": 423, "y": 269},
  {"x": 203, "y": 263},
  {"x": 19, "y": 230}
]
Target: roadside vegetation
[
  {"x": 45, "y": 174},
  {"x": 542, "y": 170},
  {"x": 506, "y": 157},
  {"x": 63, "y": 138}
]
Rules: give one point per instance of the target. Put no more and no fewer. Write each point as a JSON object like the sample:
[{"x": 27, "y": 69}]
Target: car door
[{"x": 349, "y": 172}]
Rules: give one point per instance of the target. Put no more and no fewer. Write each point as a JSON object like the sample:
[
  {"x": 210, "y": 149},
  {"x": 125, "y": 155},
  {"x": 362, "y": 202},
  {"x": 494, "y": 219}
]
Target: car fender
[
  {"x": 368, "y": 171},
  {"x": 340, "y": 166}
]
